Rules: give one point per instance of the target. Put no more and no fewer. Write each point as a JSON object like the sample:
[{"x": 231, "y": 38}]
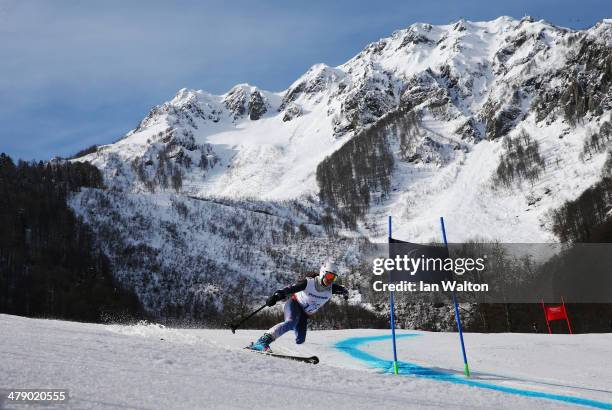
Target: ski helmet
[{"x": 326, "y": 268}]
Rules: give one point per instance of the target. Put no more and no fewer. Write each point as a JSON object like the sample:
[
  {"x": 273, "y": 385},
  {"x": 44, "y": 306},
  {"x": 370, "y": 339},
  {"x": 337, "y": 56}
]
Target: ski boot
[{"x": 263, "y": 343}]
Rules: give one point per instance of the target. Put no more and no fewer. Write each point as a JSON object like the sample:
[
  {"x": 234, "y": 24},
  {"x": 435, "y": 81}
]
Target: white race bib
[{"x": 311, "y": 299}]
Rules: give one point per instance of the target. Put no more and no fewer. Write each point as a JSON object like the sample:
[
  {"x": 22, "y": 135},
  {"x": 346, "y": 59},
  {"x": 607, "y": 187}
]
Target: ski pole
[{"x": 235, "y": 326}]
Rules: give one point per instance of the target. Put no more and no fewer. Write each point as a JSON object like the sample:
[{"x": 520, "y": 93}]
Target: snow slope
[{"x": 112, "y": 366}]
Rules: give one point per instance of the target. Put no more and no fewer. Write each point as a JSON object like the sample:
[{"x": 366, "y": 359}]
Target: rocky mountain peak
[{"x": 246, "y": 100}]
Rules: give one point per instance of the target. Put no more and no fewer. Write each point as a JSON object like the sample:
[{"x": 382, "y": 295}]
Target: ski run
[{"x": 148, "y": 366}]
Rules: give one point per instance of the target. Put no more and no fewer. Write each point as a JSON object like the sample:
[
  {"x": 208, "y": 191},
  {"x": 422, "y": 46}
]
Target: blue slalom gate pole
[
  {"x": 457, "y": 317},
  {"x": 395, "y": 369}
]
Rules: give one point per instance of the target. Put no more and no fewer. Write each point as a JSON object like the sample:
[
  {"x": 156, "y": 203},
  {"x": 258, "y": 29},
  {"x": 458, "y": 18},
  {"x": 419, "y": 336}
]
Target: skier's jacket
[{"x": 311, "y": 295}]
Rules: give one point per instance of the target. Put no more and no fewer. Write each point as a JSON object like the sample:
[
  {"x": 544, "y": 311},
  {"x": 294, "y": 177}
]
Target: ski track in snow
[
  {"x": 113, "y": 366},
  {"x": 351, "y": 347}
]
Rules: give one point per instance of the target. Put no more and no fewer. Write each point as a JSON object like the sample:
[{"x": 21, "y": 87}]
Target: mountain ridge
[
  {"x": 483, "y": 78},
  {"x": 492, "y": 125}
]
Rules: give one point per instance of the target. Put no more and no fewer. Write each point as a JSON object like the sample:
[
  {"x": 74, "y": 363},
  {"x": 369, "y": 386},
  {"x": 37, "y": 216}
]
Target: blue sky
[{"x": 76, "y": 73}]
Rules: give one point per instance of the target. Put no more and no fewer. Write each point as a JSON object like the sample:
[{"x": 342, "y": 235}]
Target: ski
[{"x": 304, "y": 359}]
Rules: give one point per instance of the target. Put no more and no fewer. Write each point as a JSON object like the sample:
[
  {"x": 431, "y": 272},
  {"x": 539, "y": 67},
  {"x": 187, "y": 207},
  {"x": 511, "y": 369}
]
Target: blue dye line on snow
[{"x": 351, "y": 345}]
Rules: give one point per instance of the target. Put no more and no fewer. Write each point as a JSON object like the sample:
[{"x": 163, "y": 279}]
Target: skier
[{"x": 306, "y": 297}]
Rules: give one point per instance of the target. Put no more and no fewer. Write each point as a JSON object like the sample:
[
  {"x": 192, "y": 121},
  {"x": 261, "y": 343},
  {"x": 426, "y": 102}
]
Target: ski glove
[{"x": 278, "y": 295}]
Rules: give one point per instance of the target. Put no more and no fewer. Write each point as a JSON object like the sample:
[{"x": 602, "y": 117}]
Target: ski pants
[{"x": 295, "y": 319}]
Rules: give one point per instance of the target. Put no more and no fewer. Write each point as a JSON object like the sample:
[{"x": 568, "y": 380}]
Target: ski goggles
[{"x": 330, "y": 276}]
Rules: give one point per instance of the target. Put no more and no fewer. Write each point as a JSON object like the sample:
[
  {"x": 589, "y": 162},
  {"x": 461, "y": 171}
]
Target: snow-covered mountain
[{"x": 489, "y": 124}]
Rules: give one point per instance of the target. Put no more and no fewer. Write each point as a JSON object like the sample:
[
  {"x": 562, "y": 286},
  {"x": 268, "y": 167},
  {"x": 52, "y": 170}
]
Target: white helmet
[{"x": 327, "y": 267}]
